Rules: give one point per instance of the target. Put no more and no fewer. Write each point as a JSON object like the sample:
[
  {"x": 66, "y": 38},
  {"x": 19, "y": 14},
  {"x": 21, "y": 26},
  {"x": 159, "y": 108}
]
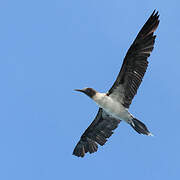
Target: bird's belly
[{"x": 116, "y": 110}]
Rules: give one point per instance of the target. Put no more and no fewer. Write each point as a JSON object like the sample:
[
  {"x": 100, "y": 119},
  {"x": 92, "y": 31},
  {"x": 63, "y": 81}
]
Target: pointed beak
[{"x": 80, "y": 90}]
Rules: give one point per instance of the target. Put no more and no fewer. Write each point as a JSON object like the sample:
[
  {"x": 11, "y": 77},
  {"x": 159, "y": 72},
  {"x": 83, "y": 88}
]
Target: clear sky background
[{"x": 49, "y": 48}]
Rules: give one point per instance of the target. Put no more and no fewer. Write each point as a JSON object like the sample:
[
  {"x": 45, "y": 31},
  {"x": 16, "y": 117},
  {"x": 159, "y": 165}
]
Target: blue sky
[{"x": 49, "y": 48}]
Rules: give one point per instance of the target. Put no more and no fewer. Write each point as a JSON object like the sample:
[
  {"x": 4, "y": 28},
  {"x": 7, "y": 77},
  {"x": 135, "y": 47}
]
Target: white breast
[{"x": 112, "y": 106}]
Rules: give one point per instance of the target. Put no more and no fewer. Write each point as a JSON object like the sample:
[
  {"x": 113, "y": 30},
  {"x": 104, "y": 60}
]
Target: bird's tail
[{"x": 140, "y": 127}]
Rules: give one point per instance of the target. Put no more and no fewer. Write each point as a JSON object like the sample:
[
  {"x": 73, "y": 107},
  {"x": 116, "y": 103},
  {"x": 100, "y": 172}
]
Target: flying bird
[{"x": 114, "y": 105}]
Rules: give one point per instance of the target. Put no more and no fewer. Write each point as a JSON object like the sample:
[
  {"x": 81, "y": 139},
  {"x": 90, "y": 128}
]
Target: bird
[{"x": 114, "y": 104}]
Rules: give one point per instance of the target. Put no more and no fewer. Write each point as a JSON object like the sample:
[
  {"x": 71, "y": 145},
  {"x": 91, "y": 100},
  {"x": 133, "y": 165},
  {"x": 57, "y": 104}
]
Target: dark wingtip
[
  {"x": 79, "y": 151},
  {"x": 85, "y": 146},
  {"x": 155, "y": 12}
]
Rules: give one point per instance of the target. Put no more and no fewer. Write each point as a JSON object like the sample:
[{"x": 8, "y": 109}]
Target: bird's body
[{"x": 114, "y": 105}]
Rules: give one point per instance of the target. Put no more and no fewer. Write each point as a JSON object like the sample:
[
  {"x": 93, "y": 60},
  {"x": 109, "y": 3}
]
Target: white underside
[{"x": 113, "y": 107}]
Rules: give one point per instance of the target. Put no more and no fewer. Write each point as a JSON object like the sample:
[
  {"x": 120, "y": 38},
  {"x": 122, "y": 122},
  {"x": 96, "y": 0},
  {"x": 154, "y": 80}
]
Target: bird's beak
[{"x": 80, "y": 90}]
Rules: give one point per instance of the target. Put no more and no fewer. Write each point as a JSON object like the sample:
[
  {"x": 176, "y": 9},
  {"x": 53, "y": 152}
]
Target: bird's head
[{"x": 88, "y": 91}]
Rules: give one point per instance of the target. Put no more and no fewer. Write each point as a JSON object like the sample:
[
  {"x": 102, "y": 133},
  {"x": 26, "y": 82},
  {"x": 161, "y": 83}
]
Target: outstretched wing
[
  {"x": 99, "y": 130},
  {"x": 135, "y": 62}
]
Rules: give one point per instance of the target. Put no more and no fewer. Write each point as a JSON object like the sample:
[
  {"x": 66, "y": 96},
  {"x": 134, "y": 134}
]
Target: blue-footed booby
[{"x": 114, "y": 105}]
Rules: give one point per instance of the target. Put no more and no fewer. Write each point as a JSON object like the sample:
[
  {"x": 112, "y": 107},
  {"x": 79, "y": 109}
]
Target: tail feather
[{"x": 140, "y": 127}]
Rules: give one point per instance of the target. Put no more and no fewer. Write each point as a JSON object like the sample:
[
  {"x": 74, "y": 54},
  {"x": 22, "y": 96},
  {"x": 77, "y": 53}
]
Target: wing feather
[
  {"x": 135, "y": 62},
  {"x": 128, "y": 81},
  {"x": 97, "y": 133}
]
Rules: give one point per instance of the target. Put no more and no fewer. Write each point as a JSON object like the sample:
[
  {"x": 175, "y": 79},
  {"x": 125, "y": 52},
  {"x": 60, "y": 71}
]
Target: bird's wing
[
  {"x": 135, "y": 62},
  {"x": 99, "y": 130}
]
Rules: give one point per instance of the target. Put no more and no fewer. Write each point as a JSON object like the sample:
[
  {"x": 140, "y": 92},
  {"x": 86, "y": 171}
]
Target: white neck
[{"x": 98, "y": 96}]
